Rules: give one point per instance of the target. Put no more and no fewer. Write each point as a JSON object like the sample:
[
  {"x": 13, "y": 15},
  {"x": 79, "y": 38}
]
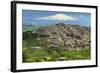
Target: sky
[{"x": 43, "y": 18}]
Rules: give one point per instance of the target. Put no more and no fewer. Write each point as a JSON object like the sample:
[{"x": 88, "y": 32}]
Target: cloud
[{"x": 60, "y": 17}]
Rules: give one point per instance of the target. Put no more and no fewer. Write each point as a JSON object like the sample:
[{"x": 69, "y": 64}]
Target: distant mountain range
[{"x": 29, "y": 27}]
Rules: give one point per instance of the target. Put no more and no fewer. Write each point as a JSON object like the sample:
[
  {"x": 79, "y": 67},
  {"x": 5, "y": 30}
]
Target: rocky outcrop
[{"x": 70, "y": 36}]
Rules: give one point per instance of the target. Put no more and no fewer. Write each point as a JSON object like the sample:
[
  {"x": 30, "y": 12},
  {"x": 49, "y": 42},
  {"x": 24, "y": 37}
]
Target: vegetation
[{"x": 37, "y": 49}]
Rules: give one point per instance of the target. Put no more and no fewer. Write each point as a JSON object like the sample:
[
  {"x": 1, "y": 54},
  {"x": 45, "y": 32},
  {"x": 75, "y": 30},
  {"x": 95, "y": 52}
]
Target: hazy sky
[{"x": 53, "y": 17}]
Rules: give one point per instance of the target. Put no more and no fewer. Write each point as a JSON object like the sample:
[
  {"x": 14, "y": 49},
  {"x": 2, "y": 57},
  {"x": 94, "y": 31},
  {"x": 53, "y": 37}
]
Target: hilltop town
[
  {"x": 58, "y": 42},
  {"x": 70, "y": 35}
]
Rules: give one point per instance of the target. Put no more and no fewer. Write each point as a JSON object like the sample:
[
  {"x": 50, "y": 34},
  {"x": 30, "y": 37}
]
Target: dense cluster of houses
[{"x": 71, "y": 36}]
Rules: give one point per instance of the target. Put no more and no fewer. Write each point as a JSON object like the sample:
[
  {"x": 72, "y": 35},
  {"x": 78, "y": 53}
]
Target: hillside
[
  {"x": 59, "y": 42},
  {"x": 70, "y": 36}
]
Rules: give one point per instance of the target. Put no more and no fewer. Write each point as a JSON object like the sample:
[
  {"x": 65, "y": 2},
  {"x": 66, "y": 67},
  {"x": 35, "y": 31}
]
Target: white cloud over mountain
[{"x": 61, "y": 17}]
